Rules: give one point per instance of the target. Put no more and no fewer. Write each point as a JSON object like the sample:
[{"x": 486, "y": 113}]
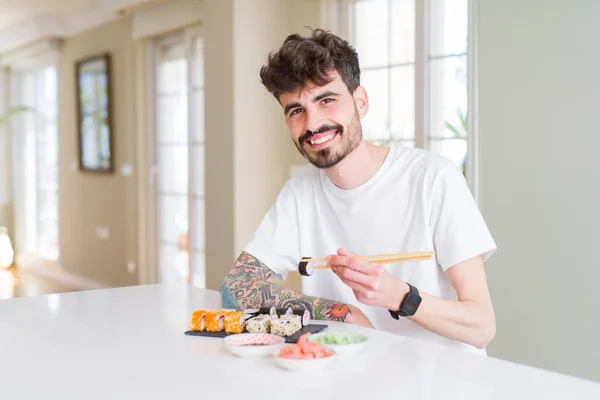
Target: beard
[{"x": 345, "y": 143}]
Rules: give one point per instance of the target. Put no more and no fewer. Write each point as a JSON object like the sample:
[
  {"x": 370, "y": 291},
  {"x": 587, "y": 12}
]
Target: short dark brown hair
[{"x": 301, "y": 60}]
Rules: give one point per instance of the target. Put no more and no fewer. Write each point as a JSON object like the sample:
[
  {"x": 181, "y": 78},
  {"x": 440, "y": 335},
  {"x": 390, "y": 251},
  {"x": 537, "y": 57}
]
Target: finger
[
  {"x": 364, "y": 297},
  {"x": 379, "y": 276},
  {"x": 336, "y": 270},
  {"x": 343, "y": 252},
  {"x": 355, "y": 286},
  {"x": 355, "y": 276},
  {"x": 358, "y": 265},
  {"x": 366, "y": 292}
]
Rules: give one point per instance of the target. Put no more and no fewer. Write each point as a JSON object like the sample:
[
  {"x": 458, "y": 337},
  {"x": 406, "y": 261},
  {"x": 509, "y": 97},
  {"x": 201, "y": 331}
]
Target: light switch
[{"x": 126, "y": 169}]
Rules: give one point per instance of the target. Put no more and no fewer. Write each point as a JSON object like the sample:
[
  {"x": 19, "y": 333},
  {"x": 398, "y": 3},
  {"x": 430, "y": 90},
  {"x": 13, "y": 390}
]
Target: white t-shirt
[{"x": 417, "y": 201}]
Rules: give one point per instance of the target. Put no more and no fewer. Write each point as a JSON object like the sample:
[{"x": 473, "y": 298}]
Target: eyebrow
[{"x": 320, "y": 97}]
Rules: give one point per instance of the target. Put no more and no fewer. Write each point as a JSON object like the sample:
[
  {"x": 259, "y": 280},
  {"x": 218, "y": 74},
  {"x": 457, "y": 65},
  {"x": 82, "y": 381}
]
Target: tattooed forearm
[{"x": 248, "y": 286}]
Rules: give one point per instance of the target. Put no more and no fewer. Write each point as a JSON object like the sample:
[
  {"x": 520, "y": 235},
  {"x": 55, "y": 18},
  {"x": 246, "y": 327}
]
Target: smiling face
[{"x": 324, "y": 121}]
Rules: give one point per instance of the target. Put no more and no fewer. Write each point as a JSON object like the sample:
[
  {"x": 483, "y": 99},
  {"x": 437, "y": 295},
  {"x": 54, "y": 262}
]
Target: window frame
[
  {"x": 186, "y": 37},
  {"x": 16, "y": 72},
  {"x": 340, "y": 21}
]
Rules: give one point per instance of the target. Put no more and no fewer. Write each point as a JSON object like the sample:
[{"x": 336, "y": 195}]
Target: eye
[
  {"x": 327, "y": 100},
  {"x": 295, "y": 111}
]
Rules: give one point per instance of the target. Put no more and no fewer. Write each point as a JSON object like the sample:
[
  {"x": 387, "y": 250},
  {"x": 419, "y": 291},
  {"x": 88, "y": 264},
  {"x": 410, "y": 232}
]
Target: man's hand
[
  {"x": 371, "y": 283},
  {"x": 470, "y": 319}
]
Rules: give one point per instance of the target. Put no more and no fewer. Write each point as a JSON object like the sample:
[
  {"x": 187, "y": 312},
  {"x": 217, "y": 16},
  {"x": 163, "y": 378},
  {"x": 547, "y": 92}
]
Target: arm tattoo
[{"x": 248, "y": 286}]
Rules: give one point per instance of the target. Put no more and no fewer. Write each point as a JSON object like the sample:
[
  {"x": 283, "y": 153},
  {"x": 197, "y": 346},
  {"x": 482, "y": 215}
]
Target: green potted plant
[
  {"x": 460, "y": 132},
  {"x": 11, "y": 113}
]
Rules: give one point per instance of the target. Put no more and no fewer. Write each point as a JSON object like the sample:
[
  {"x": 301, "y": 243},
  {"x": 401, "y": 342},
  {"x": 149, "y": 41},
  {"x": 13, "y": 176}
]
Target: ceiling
[
  {"x": 54, "y": 17},
  {"x": 8, "y": 17},
  {"x": 46, "y": 6},
  {"x": 14, "y": 11}
]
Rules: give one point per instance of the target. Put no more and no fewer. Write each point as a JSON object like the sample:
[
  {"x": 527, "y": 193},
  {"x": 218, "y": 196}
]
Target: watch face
[{"x": 411, "y": 304}]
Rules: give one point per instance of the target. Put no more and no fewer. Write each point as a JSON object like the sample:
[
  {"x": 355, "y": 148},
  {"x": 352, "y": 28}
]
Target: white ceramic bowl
[
  {"x": 342, "y": 350},
  {"x": 253, "y": 344},
  {"x": 310, "y": 364}
]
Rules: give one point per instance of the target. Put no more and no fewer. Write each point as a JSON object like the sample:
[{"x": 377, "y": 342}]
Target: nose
[{"x": 314, "y": 120}]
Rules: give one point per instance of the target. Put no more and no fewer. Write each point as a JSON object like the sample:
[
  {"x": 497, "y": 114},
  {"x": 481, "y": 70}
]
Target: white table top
[{"x": 130, "y": 343}]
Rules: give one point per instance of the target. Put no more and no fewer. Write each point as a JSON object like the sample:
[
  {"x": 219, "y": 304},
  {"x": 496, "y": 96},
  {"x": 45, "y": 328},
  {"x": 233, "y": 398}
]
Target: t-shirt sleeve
[
  {"x": 459, "y": 230},
  {"x": 276, "y": 241}
]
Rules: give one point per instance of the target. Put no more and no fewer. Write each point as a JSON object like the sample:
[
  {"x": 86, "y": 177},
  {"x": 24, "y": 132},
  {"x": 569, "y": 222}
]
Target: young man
[{"x": 358, "y": 198}]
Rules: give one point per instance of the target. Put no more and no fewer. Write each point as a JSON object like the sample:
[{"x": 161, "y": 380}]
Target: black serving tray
[{"x": 312, "y": 328}]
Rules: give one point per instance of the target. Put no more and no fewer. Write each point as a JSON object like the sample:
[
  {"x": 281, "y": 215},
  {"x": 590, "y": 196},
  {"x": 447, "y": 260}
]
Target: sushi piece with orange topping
[
  {"x": 235, "y": 321},
  {"x": 215, "y": 321},
  {"x": 198, "y": 322}
]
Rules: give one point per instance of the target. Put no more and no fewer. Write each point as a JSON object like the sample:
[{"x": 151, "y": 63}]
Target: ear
[{"x": 361, "y": 101}]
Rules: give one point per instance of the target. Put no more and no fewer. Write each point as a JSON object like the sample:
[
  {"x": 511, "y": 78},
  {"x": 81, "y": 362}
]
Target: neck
[{"x": 357, "y": 167}]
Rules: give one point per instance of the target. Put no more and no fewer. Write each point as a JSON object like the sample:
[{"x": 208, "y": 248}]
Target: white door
[{"x": 177, "y": 152}]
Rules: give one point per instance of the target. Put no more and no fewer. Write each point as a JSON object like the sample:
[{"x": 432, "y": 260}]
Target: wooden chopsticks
[
  {"x": 384, "y": 258},
  {"x": 390, "y": 261}
]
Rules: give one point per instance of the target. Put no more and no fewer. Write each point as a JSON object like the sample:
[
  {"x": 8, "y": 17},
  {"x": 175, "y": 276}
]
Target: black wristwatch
[{"x": 409, "y": 304}]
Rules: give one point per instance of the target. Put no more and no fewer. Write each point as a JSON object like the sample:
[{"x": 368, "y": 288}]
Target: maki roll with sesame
[
  {"x": 276, "y": 311},
  {"x": 295, "y": 320},
  {"x": 259, "y": 324},
  {"x": 251, "y": 312},
  {"x": 303, "y": 314},
  {"x": 285, "y": 327}
]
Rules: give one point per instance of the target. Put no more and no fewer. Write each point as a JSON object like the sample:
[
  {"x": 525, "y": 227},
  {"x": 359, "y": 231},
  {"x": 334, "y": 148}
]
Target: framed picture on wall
[{"x": 94, "y": 114}]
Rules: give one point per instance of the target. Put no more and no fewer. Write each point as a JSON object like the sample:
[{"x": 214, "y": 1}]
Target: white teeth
[{"x": 323, "y": 139}]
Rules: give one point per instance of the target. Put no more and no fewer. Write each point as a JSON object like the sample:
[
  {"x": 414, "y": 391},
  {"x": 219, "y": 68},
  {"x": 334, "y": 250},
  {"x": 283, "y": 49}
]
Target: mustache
[{"x": 324, "y": 128}]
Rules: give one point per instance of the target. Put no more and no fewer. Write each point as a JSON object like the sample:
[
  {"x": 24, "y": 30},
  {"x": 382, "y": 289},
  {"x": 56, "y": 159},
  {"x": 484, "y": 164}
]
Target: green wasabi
[{"x": 339, "y": 338}]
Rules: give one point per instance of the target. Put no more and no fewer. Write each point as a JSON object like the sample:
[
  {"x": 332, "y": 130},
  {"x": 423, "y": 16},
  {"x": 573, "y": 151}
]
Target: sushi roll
[
  {"x": 284, "y": 327},
  {"x": 295, "y": 320},
  {"x": 235, "y": 322},
  {"x": 289, "y": 311},
  {"x": 259, "y": 324},
  {"x": 215, "y": 321},
  {"x": 198, "y": 322},
  {"x": 251, "y": 312},
  {"x": 265, "y": 310},
  {"x": 303, "y": 314},
  {"x": 276, "y": 312},
  {"x": 306, "y": 268}
]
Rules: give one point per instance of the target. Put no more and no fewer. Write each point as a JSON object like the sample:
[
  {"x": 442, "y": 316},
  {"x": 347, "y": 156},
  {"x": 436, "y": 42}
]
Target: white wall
[
  {"x": 90, "y": 200},
  {"x": 219, "y": 128},
  {"x": 539, "y": 92},
  {"x": 264, "y": 151},
  {"x": 262, "y": 140},
  {"x": 249, "y": 144}
]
